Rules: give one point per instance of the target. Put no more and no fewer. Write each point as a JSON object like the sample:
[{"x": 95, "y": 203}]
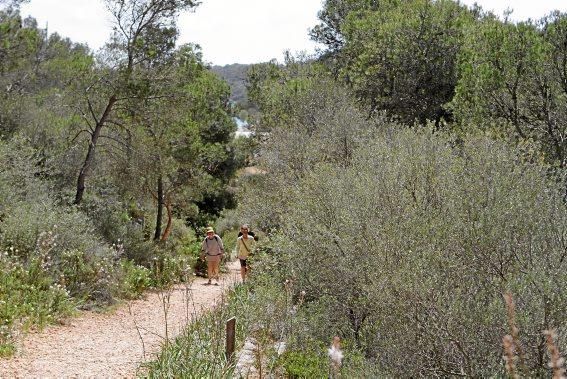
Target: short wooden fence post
[{"x": 230, "y": 335}]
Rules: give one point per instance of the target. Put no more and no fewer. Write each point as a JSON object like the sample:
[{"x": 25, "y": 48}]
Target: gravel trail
[{"x": 113, "y": 345}]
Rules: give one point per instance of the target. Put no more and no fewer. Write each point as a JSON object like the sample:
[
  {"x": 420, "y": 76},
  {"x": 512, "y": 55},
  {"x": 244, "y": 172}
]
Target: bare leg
[{"x": 243, "y": 273}]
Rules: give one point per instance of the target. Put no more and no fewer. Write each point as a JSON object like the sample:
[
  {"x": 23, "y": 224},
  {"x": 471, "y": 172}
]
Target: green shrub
[
  {"x": 199, "y": 266},
  {"x": 135, "y": 279},
  {"x": 109, "y": 217},
  {"x": 305, "y": 364},
  {"x": 29, "y": 209},
  {"x": 407, "y": 249},
  {"x": 88, "y": 278},
  {"x": 136, "y": 246},
  {"x": 28, "y": 297},
  {"x": 182, "y": 239},
  {"x": 26, "y": 223},
  {"x": 229, "y": 220},
  {"x": 168, "y": 261},
  {"x": 167, "y": 269}
]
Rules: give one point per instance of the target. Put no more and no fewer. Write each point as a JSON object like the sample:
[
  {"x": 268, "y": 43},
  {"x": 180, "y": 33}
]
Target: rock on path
[{"x": 113, "y": 345}]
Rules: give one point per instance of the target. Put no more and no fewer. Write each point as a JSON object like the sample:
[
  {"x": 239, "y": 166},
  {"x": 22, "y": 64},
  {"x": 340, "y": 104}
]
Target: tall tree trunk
[
  {"x": 157, "y": 233},
  {"x": 168, "y": 227},
  {"x": 91, "y": 151}
]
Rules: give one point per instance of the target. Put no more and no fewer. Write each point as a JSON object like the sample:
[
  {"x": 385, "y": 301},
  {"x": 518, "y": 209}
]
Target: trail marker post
[{"x": 230, "y": 336}]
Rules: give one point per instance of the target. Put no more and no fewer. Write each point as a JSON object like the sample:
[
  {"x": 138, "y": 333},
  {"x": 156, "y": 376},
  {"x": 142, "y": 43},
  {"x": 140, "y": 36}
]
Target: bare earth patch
[{"x": 114, "y": 345}]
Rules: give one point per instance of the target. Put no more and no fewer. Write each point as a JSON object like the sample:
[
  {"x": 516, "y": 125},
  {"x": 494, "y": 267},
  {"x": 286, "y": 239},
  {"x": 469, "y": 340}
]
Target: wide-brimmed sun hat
[{"x": 209, "y": 230}]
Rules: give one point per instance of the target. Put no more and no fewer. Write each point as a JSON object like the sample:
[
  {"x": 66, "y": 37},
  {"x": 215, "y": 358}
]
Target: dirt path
[{"x": 113, "y": 345}]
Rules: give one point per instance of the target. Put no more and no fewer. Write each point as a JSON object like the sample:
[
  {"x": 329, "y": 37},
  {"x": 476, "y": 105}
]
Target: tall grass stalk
[
  {"x": 557, "y": 362},
  {"x": 514, "y": 343},
  {"x": 509, "y": 356}
]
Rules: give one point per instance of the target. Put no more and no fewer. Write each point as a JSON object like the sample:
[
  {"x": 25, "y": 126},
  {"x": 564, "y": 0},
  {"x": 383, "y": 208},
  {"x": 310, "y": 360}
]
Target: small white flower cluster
[
  {"x": 46, "y": 241},
  {"x": 4, "y": 256},
  {"x": 118, "y": 248},
  {"x": 6, "y": 332},
  {"x": 335, "y": 355},
  {"x": 46, "y": 262},
  {"x": 59, "y": 288},
  {"x": 9, "y": 263}
]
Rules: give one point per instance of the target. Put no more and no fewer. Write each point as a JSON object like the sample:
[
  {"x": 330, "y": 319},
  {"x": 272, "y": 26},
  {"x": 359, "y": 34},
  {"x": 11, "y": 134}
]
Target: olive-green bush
[{"x": 408, "y": 250}]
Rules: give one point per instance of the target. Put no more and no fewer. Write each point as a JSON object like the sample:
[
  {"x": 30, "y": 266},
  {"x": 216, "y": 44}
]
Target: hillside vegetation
[
  {"x": 408, "y": 188},
  {"x": 110, "y": 163},
  {"x": 413, "y": 199},
  {"x": 236, "y": 76}
]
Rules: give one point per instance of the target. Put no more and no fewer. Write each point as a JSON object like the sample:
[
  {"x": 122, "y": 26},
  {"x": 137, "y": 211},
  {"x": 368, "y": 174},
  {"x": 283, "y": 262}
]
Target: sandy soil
[{"x": 113, "y": 345}]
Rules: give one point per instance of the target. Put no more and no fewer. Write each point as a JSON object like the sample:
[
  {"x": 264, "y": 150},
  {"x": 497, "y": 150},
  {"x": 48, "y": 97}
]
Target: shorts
[
  {"x": 214, "y": 258},
  {"x": 242, "y": 262}
]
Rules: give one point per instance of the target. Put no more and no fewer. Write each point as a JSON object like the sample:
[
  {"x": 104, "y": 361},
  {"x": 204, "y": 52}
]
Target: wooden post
[{"x": 230, "y": 334}]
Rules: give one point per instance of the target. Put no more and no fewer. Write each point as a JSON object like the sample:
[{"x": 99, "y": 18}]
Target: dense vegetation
[
  {"x": 411, "y": 187},
  {"x": 413, "y": 195},
  {"x": 109, "y": 162}
]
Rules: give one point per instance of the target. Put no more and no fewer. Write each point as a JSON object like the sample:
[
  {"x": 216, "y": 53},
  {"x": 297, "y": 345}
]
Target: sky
[{"x": 235, "y": 31}]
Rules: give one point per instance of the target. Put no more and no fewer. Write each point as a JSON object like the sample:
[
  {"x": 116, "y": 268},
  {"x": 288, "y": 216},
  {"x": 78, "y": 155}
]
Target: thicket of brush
[
  {"x": 402, "y": 242},
  {"x": 405, "y": 242}
]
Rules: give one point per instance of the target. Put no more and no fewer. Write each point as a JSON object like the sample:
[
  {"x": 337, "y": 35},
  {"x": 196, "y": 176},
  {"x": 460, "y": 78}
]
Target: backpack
[{"x": 217, "y": 240}]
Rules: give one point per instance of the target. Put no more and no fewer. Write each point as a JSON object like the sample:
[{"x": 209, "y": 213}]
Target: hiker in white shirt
[{"x": 244, "y": 246}]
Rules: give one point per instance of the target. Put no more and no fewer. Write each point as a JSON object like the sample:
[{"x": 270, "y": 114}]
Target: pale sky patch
[
  {"x": 522, "y": 9},
  {"x": 236, "y": 31},
  {"x": 250, "y": 31}
]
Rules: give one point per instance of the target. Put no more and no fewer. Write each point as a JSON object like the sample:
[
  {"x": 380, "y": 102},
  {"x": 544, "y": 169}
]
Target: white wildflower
[{"x": 335, "y": 354}]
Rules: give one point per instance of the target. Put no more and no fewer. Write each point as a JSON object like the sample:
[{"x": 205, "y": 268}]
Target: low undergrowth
[
  {"x": 28, "y": 297},
  {"x": 45, "y": 285},
  {"x": 39, "y": 291},
  {"x": 268, "y": 313},
  {"x": 199, "y": 351}
]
